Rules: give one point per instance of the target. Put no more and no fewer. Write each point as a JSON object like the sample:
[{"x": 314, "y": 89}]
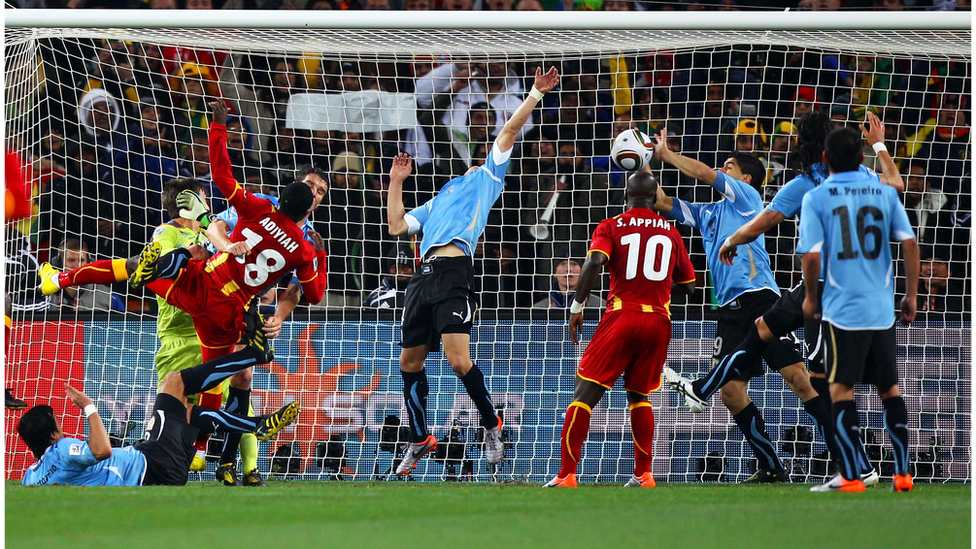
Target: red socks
[
  {"x": 642, "y": 427},
  {"x": 575, "y": 428}
]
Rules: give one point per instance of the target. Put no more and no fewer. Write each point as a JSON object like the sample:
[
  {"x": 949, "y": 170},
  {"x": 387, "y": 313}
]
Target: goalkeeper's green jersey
[{"x": 179, "y": 345}]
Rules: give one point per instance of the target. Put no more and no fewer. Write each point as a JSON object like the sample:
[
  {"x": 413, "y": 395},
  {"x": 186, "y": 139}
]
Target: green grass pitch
[{"x": 295, "y": 515}]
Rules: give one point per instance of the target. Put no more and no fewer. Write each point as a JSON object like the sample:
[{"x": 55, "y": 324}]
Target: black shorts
[
  {"x": 439, "y": 300},
  {"x": 734, "y": 321},
  {"x": 860, "y": 356},
  {"x": 168, "y": 443},
  {"x": 786, "y": 315}
]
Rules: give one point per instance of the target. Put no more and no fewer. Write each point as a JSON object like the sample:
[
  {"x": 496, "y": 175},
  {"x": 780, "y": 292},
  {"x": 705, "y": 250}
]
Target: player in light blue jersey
[
  {"x": 440, "y": 302},
  {"x": 786, "y": 315},
  {"x": 847, "y": 224},
  {"x": 163, "y": 456},
  {"x": 745, "y": 290},
  {"x": 239, "y": 392}
]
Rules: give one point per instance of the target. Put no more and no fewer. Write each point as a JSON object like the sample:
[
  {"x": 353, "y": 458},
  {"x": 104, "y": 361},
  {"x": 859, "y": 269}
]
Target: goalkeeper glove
[{"x": 192, "y": 207}]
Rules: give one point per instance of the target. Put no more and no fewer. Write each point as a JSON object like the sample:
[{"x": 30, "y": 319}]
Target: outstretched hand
[
  {"x": 402, "y": 167},
  {"x": 660, "y": 144},
  {"x": 875, "y": 132},
  {"x": 78, "y": 398},
  {"x": 548, "y": 81},
  {"x": 220, "y": 111}
]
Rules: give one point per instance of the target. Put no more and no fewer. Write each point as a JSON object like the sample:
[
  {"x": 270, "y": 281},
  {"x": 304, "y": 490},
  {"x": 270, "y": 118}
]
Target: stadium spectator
[
  {"x": 73, "y": 253},
  {"x": 81, "y": 203},
  {"x": 565, "y": 278},
  {"x": 343, "y": 232},
  {"x": 390, "y": 293},
  {"x": 285, "y": 81},
  {"x": 929, "y": 211},
  {"x": 938, "y": 291},
  {"x": 528, "y": 5},
  {"x": 193, "y": 86},
  {"x": 750, "y": 138},
  {"x": 417, "y": 5},
  {"x": 377, "y": 5},
  {"x": 944, "y": 138},
  {"x": 100, "y": 116}
]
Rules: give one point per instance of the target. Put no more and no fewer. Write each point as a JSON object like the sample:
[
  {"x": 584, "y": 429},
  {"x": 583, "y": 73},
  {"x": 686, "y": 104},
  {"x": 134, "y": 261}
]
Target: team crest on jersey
[
  {"x": 450, "y": 189},
  {"x": 159, "y": 230},
  {"x": 74, "y": 450}
]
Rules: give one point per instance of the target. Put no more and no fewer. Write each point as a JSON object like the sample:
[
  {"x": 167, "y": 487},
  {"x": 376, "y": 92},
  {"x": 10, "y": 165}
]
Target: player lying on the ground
[
  {"x": 440, "y": 302},
  {"x": 163, "y": 457},
  {"x": 645, "y": 254}
]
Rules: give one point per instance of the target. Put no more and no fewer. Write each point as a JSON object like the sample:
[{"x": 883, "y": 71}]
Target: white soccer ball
[{"x": 629, "y": 151}]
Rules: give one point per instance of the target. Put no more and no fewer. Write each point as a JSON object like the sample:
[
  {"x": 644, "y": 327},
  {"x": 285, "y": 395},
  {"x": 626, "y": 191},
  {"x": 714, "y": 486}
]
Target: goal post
[{"x": 108, "y": 105}]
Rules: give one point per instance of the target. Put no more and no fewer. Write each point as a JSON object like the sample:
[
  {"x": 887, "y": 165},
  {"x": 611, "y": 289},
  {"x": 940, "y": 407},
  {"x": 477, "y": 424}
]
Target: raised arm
[
  {"x": 220, "y": 168},
  {"x": 400, "y": 171},
  {"x": 688, "y": 166},
  {"x": 589, "y": 274},
  {"x": 98, "y": 440},
  {"x": 543, "y": 84},
  {"x": 874, "y": 135}
]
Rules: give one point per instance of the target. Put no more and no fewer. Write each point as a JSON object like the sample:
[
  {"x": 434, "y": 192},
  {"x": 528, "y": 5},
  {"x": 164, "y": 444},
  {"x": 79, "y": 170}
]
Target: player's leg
[
  {"x": 415, "y": 390},
  {"x": 238, "y": 401},
  {"x": 575, "y": 428},
  {"x": 642, "y": 430},
  {"x": 211, "y": 373},
  {"x": 642, "y": 377},
  {"x": 179, "y": 349},
  {"x": 882, "y": 372},
  {"x": 102, "y": 271},
  {"x": 457, "y": 350},
  {"x": 10, "y": 402},
  {"x": 844, "y": 360},
  {"x": 749, "y": 420},
  {"x": 153, "y": 264}
]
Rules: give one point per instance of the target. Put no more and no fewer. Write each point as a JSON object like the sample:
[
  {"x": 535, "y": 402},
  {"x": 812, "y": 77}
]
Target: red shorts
[
  {"x": 631, "y": 343},
  {"x": 218, "y": 318}
]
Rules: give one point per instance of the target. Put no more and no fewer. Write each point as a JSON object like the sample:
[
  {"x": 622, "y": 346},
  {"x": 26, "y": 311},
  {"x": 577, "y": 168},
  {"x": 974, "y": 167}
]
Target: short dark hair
[
  {"x": 173, "y": 187},
  {"x": 482, "y": 106},
  {"x": 843, "y": 148},
  {"x": 751, "y": 166},
  {"x": 295, "y": 200},
  {"x": 36, "y": 427},
  {"x": 305, "y": 171}
]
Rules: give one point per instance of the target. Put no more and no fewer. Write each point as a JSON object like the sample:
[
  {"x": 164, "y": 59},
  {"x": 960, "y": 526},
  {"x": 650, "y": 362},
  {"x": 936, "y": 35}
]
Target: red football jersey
[
  {"x": 646, "y": 253},
  {"x": 277, "y": 243}
]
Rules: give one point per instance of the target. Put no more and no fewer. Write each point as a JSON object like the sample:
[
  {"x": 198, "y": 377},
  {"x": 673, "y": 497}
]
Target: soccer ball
[{"x": 629, "y": 151}]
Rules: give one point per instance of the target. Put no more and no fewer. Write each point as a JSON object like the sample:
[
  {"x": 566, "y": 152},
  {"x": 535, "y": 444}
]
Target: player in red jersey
[
  {"x": 645, "y": 254},
  {"x": 218, "y": 291}
]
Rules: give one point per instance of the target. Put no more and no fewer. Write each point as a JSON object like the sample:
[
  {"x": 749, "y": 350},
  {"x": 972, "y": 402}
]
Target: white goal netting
[{"x": 104, "y": 117}]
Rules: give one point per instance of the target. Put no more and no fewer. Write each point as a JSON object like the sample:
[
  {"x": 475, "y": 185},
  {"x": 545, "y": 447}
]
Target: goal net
[{"x": 104, "y": 117}]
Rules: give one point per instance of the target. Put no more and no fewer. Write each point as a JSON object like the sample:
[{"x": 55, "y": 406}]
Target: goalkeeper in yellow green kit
[{"x": 185, "y": 200}]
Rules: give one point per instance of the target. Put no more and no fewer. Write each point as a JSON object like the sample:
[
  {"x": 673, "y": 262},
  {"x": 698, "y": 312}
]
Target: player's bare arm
[
  {"x": 98, "y": 441},
  {"x": 688, "y": 166},
  {"x": 756, "y": 227},
  {"x": 217, "y": 234},
  {"x": 220, "y": 111},
  {"x": 589, "y": 274},
  {"x": 811, "y": 282},
  {"x": 662, "y": 202},
  {"x": 910, "y": 251},
  {"x": 544, "y": 83},
  {"x": 399, "y": 172},
  {"x": 874, "y": 134}
]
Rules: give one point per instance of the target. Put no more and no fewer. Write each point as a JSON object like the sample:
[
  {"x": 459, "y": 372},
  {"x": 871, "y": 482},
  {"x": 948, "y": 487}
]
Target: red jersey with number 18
[
  {"x": 646, "y": 253},
  {"x": 277, "y": 243}
]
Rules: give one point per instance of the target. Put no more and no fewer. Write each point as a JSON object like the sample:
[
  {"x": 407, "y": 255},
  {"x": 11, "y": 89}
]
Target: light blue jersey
[
  {"x": 717, "y": 221},
  {"x": 230, "y": 217},
  {"x": 459, "y": 212},
  {"x": 789, "y": 199},
  {"x": 70, "y": 461},
  {"x": 850, "y": 220}
]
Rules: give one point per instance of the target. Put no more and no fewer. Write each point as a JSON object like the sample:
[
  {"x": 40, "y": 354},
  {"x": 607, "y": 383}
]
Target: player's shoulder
[
  {"x": 170, "y": 227},
  {"x": 68, "y": 446}
]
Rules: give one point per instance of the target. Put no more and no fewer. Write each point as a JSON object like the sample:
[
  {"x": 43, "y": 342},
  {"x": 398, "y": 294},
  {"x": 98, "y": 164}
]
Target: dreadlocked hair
[{"x": 813, "y": 129}]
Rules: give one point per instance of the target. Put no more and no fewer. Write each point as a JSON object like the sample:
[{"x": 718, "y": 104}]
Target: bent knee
[{"x": 172, "y": 384}]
